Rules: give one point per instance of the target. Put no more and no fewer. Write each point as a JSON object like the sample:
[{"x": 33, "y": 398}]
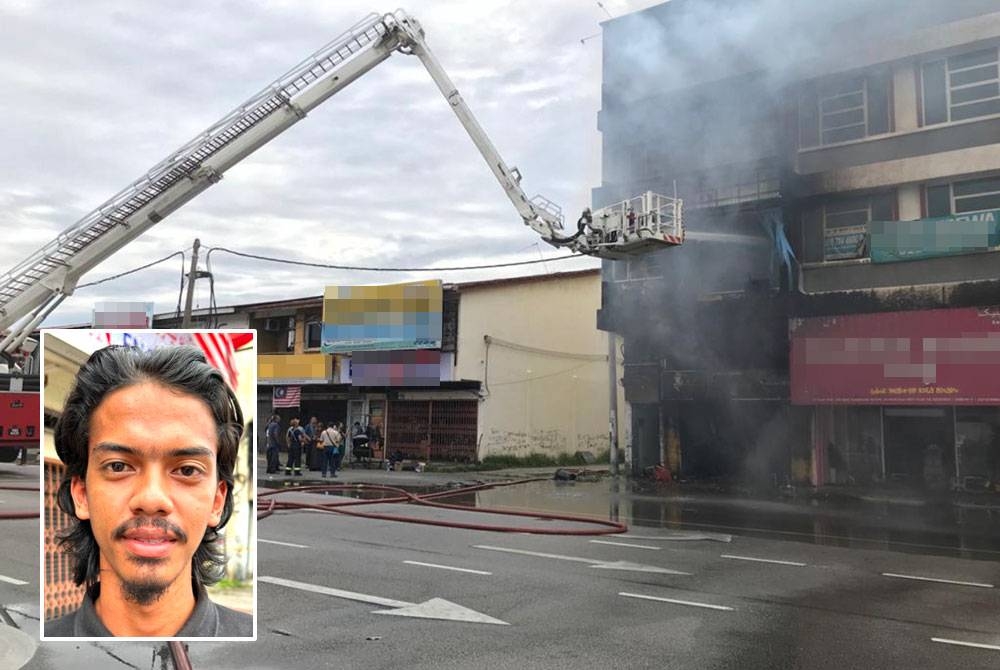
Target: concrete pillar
[
  {"x": 904, "y": 96},
  {"x": 909, "y": 201}
]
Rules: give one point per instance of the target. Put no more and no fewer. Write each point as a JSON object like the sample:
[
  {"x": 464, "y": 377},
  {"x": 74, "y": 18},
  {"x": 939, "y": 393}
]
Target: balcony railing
[{"x": 761, "y": 184}]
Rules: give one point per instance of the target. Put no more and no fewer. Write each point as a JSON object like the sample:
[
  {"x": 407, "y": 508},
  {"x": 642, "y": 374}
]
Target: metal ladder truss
[{"x": 59, "y": 253}]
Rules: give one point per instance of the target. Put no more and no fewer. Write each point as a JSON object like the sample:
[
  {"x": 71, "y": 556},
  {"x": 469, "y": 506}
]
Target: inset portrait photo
[{"x": 148, "y": 515}]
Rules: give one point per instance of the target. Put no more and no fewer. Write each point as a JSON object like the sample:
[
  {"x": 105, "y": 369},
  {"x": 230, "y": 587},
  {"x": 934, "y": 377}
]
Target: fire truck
[{"x": 20, "y": 426}]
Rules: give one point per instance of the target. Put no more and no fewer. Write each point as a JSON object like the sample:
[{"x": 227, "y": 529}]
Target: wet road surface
[{"x": 698, "y": 581}]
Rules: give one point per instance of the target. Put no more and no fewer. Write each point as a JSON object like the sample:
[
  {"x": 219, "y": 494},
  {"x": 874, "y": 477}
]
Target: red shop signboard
[{"x": 930, "y": 357}]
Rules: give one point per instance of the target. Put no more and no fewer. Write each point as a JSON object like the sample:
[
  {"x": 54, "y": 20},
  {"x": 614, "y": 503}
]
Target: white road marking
[
  {"x": 11, "y": 580},
  {"x": 762, "y": 560},
  {"x": 283, "y": 544},
  {"x": 939, "y": 581},
  {"x": 961, "y": 643},
  {"x": 448, "y": 567},
  {"x": 336, "y": 593},
  {"x": 435, "y": 608},
  {"x": 626, "y": 544},
  {"x": 635, "y": 567},
  {"x": 677, "y": 602},
  {"x": 540, "y": 554},
  {"x": 594, "y": 563}
]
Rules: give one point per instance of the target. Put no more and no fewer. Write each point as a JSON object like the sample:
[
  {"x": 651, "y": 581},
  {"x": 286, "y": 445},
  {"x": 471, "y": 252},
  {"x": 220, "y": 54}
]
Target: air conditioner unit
[{"x": 272, "y": 324}]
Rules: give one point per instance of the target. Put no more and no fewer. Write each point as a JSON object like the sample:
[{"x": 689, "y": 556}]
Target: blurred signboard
[
  {"x": 417, "y": 367},
  {"x": 379, "y": 318},
  {"x": 845, "y": 242},
  {"x": 122, "y": 315},
  {"x": 893, "y": 241},
  {"x": 929, "y": 357}
]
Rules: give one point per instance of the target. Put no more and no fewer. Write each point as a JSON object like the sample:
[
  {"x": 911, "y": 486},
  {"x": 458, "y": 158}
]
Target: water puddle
[{"x": 926, "y": 528}]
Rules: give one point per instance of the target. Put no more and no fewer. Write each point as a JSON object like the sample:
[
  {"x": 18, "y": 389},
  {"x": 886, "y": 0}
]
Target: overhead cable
[
  {"x": 133, "y": 270},
  {"x": 383, "y": 269},
  {"x": 320, "y": 265}
]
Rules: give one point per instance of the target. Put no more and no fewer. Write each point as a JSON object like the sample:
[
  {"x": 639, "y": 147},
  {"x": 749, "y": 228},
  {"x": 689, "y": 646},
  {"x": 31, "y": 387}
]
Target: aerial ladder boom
[
  {"x": 541, "y": 215},
  {"x": 31, "y": 290}
]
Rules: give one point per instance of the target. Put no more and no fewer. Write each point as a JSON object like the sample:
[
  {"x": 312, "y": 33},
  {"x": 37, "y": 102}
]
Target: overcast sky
[{"x": 95, "y": 93}]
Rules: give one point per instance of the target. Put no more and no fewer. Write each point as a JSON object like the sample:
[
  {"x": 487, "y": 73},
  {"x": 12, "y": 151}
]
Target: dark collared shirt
[{"x": 207, "y": 620}]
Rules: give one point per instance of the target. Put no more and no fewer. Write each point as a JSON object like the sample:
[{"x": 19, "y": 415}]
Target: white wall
[{"x": 545, "y": 373}]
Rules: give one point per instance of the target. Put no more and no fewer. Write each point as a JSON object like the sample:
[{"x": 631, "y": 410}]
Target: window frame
[
  {"x": 821, "y": 115},
  {"x": 952, "y": 199},
  {"x": 815, "y": 218},
  {"x": 949, "y": 87},
  {"x": 305, "y": 334},
  {"x": 810, "y": 97}
]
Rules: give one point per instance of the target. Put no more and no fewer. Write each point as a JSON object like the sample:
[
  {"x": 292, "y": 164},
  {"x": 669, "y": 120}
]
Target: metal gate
[
  {"x": 62, "y": 596},
  {"x": 439, "y": 430}
]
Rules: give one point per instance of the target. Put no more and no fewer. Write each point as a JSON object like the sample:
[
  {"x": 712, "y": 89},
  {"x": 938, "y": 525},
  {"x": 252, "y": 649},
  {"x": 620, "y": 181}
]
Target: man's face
[{"x": 151, "y": 489}]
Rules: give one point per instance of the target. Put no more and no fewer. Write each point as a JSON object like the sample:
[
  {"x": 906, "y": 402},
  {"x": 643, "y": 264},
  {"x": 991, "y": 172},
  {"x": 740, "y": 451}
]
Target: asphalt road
[{"x": 329, "y": 583}]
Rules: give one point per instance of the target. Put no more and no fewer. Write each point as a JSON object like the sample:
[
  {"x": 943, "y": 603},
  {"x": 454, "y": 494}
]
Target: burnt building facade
[{"x": 832, "y": 315}]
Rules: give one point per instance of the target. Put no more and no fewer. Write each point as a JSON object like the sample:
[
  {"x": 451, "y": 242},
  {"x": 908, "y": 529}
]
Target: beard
[
  {"x": 146, "y": 591},
  {"x": 143, "y": 592}
]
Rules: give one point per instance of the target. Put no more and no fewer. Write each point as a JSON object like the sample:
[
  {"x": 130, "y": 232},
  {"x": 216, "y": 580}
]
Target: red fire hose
[
  {"x": 603, "y": 526},
  {"x": 27, "y": 514}
]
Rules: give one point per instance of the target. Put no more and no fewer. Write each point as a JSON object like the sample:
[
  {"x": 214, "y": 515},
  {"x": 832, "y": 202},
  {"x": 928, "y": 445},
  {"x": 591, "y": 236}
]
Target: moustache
[{"x": 175, "y": 531}]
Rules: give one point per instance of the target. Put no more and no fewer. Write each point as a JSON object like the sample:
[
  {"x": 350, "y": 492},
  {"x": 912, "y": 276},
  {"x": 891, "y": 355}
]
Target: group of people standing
[{"x": 330, "y": 439}]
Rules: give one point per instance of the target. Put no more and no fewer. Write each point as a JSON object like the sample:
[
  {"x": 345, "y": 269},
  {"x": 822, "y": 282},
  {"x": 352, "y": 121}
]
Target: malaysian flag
[
  {"x": 286, "y": 396},
  {"x": 219, "y": 349}
]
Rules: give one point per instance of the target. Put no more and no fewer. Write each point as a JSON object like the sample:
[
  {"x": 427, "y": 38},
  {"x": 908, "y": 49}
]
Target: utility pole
[
  {"x": 186, "y": 322},
  {"x": 613, "y": 401}
]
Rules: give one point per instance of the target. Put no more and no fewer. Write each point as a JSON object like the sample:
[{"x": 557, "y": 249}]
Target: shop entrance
[
  {"x": 977, "y": 430},
  {"x": 645, "y": 437},
  {"x": 919, "y": 445},
  {"x": 438, "y": 430}
]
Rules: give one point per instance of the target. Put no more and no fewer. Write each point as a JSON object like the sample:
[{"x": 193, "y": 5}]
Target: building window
[
  {"x": 635, "y": 268},
  {"x": 961, "y": 87},
  {"x": 275, "y": 335},
  {"x": 314, "y": 334},
  {"x": 963, "y": 197},
  {"x": 844, "y": 108},
  {"x": 643, "y": 267},
  {"x": 837, "y": 230},
  {"x": 842, "y": 112}
]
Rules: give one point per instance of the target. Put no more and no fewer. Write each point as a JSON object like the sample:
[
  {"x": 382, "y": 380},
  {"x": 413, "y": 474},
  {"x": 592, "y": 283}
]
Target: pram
[{"x": 361, "y": 451}]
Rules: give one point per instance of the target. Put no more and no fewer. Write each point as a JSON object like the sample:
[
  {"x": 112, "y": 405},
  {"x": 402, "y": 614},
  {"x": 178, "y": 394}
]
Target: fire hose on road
[
  {"x": 27, "y": 514},
  {"x": 395, "y": 495},
  {"x": 603, "y": 527},
  {"x": 599, "y": 526}
]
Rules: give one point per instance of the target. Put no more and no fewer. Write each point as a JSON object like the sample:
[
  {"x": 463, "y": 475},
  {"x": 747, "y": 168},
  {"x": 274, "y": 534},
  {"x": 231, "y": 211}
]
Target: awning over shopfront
[{"x": 930, "y": 357}]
